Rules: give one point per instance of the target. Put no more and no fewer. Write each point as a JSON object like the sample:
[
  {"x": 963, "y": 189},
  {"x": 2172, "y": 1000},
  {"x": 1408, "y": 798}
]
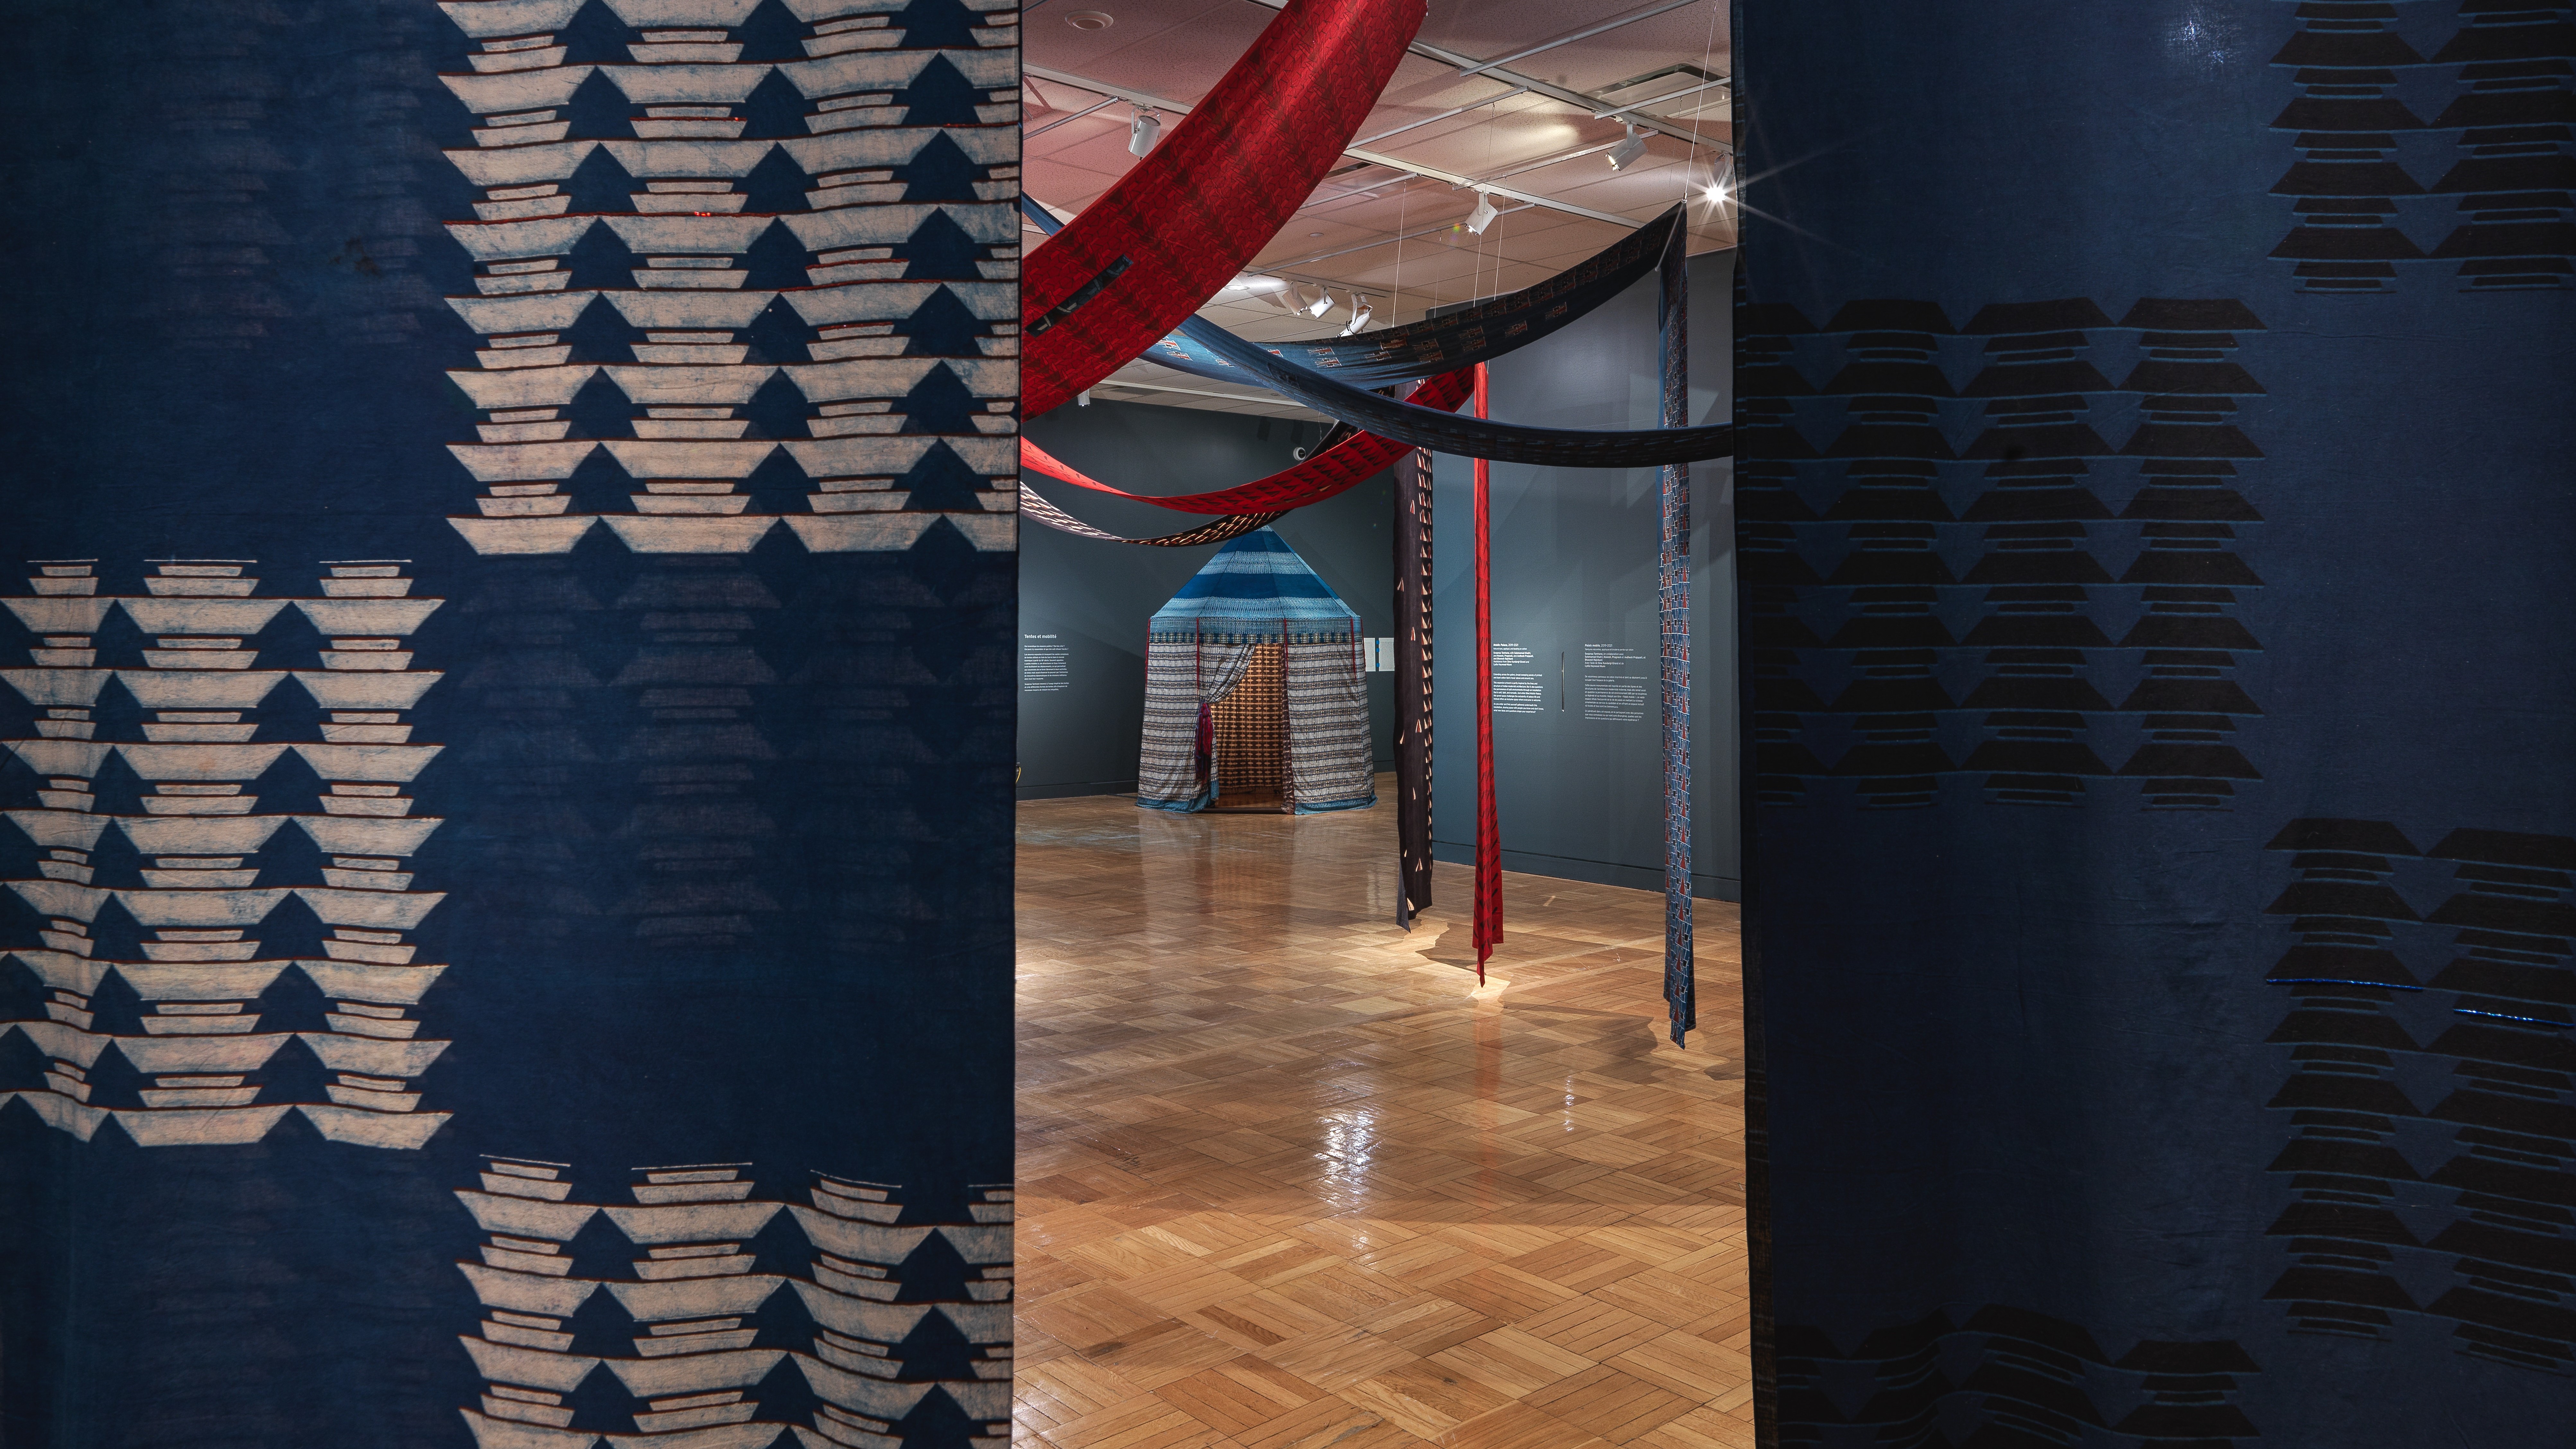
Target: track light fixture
[
  {"x": 1361, "y": 312},
  {"x": 1625, "y": 154},
  {"x": 1142, "y": 132},
  {"x": 1483, "y": 216},
  {"x": 1322, "y": 304}
]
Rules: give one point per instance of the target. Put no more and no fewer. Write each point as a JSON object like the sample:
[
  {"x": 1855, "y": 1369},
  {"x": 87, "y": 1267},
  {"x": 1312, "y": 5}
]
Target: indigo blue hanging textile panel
[
  {"x": 508, "y": 724},
  {"x": 2156, "y": 530},
  {"x": 1673, "y": 631}
]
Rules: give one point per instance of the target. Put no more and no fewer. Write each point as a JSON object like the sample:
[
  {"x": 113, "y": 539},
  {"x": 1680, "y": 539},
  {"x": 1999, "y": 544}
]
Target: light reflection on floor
[{"x": 1287, "y": 1181}]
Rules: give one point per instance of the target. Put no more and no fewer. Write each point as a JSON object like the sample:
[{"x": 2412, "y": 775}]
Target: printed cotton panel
[{"x": 508, "y": 725}]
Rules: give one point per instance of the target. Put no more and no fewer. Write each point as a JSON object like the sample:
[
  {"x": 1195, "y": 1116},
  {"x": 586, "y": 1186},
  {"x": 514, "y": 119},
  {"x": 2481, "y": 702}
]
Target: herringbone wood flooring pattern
[{"x": 1289, "y": 1180}]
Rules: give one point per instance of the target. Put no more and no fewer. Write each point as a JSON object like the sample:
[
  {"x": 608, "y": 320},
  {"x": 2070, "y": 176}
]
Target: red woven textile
[
  {"x": 1210, "y": 196},
  {"x": 1034, "y": 508},
  {"x": 1488, "y": 926},
  {"x": 1332, "y": 471}
]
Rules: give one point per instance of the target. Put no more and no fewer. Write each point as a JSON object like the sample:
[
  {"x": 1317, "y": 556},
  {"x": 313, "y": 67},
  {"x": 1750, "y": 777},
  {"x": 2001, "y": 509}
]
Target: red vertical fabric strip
[{"x": 1488, "y": 930}]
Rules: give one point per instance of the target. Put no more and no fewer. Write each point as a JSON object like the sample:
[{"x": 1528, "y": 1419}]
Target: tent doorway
[
  {"x": 1250, "y": 747},
  {"x": 1254, "y": 696}
]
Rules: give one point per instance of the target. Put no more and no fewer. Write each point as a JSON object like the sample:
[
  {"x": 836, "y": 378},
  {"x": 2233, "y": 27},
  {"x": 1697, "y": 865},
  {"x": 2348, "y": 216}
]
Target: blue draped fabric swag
[
  {"x": 1334, "y": 378},
  {"x": 2160, "y": 668}
]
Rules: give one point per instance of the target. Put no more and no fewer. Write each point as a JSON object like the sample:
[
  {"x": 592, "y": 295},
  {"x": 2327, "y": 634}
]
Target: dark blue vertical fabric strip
[{"x": 1673, "y": 635}]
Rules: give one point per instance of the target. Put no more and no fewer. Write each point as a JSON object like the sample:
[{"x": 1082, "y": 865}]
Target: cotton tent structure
[{"x": 1255, "y": 601}]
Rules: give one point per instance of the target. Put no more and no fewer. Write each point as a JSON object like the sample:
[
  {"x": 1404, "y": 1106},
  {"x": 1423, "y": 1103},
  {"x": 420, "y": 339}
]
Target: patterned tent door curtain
[
  {"x": 1255, "y": 594},
  {"x": 1182, "y": 222},
  {"x": 1248, "y": 738}
]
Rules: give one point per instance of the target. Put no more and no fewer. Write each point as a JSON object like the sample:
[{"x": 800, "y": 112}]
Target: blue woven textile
[
  {"x": 2155, "y": 528},
  {"x": 1250, "y": 587},
  {"x": 1673, "y": 656},
  {"x": 506, "y": 726}
]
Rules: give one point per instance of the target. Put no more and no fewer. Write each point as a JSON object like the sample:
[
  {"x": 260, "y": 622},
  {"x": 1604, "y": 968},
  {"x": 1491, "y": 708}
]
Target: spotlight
[
  {"x": 1360, "y": 315},
  {"x": 1483, "y": 216},
  {"x": 1721, "y": 181},
  {"x": 1625, "y": 154},
  {"x": 1082, "y": 399},
  {"x": 1322, "y": 304},
  {"x": 1142, "y": 133}
]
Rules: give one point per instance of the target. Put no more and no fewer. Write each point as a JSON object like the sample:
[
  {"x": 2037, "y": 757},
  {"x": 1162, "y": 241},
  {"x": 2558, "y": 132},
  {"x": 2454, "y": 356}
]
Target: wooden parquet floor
[{"x": 1288, "y": 1179}]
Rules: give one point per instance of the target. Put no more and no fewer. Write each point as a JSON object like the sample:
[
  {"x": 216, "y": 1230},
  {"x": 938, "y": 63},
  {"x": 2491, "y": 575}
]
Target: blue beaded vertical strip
[
  {"x": 1413, "y": 682},
  {"x": 1674, "y": 613}
]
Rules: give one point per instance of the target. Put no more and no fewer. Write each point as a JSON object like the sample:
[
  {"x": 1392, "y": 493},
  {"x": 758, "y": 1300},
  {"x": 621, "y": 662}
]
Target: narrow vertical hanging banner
[
  {"x": 1308, "y": 710},
  {"x": 1673, "y": 608},
  {"x": 1488, "y": 929},
  {"x": 1413, "y": 681}
]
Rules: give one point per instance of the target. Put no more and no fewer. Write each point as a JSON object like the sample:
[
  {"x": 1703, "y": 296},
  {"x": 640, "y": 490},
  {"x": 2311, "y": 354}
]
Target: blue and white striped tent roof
[{"x": 1255, "y": 581}]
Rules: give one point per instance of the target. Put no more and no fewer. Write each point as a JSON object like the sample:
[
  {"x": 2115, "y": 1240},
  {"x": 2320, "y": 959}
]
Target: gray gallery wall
[
  {"x": 1574, "y": 577},
  {"x": 1574, "y": 566},
  {"x": 1080, "y": 726}
]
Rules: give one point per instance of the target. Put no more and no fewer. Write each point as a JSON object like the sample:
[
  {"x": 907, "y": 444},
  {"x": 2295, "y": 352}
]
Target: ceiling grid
[{"x": 1502, "y": 92}]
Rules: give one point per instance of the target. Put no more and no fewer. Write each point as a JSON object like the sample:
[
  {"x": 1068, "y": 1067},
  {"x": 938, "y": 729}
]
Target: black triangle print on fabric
[
  {"x": 940, "y": 250},
  {"x": 942, "y": 96},
  {"x": 939, "y": 171}
]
